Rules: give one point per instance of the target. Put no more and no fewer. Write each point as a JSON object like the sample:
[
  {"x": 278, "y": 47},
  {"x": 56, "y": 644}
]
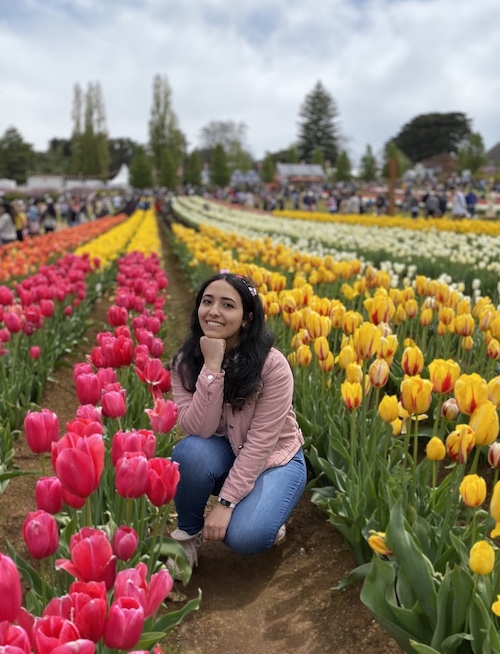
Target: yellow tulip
[
  {"x": 313, "y": 324},
  {"x": 378, "y": 372},
  {"x": 442, "y": 329},
  {"x": 400, "y": 315},
  {"x": 459, "y": 443},
  {"x": 321, "y": 347},
  {"x": 366, "y": 340},
  {"x": 327, "y": 364},
  {"x": 464, "y": 324},
  {"x": 470, "y": 391},
  {"x": 388, "y": 408},
  {"x": 482, "y": 558},
  {"x": 416, "y": 394},
  {"x": 494, "y": 455},
  {"x": 449, "y": 409},
  {"x": 295, "y": 320},
  {"x": 421, "y": 285},
  {"x": 388, "y": 347},
  {"x": 495, "y": 503},
  {"x": 411, "y": 307},
  {"x": 352, "y": 394},
  {"x": 494, "y": 391},
  {"x": 426, "y": 316},
  {"x": 376, "y": 541},
  {"x": 380, "y": 308},
  {"x": 493, "y": 349},
  {"x": 292, "y": 359},
  {"x": 354, "y": 373},
  {"x": 484, "y": 423},
  {"x": 346, "y": 356},
  {"x": 435, "y": 449},
  {"x": 397, "y": 427},
  {"x": 495, "y": 607},
  {"x": 443, "y": 374},
  {"x": 472, "y": 490},
  {"x": 446, "y": 315},
  {"x": 288, "y": 304},
  {"x": 351, "y": 320},
  {"x": 495, "y": 327},
  {"x": 304, "y": 355},
  {"x": 467, "y": 343},
  {"x": 412, "y": 361}
]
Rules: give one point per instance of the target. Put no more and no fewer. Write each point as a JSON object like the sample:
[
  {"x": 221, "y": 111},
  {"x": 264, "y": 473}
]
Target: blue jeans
[{"x": 204, "y": 464}]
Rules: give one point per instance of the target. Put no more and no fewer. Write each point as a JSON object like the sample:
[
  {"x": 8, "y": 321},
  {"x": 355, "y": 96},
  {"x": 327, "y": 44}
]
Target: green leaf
[
  {"x": 149, "y": 639},
  {"x": 423, "y": 649},
  {"x": 174, "y": 618},
  {"x": 358, "y": 574}
]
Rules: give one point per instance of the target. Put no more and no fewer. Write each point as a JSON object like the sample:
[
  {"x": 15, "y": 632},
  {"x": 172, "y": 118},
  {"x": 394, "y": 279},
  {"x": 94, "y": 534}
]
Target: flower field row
[
  {"x": 397, "y": 392},
  {"x": 465, "y": 252},
  {"x": 97, "y": 530}
]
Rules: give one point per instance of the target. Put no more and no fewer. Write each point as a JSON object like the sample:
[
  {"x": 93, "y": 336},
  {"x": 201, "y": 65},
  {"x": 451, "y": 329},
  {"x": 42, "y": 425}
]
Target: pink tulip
[
  {"x": 47, "y": 308},
  {"x": 163, "y": 416},
  {"x": 81, "y": 369},
  {"x": 122, "y": 330},
  {"x": 106, "y": 376},
  {"x": 125, "y": 622},
  {"x": 79, "y": 462},
  {"x": 80, "y": 646},
  {"x": 14, "y": 638},
  {"x": 35, "y": 352},
  {"x": 10, "y": 589},
  {"x": 163, "y": 477},
  {"x": 156, "y": 376},
  {"x": 48, "y": 494},
  {"x": 86, "y": 611},
  {"x": 41, "y": 429},
  {"x": 6, "y": 296},
  {"x": 68, "y": 310},
  {"x": 12, "y": 322},
  {"x": 88, "y": 412},
  {"x": 88, "y": 389},
  {"x": 92, "y": 557},
  {"x": 142, "y": 440},
  {"x": 132, "y": 582},
  {"x": 71, "y": 500},
  {"x": 125, "y": 542},
  {"x": 113, "y": 404},
  {"x": 131, "y": 478},
  {"x": 84, "y": 427},
  {"x": 51, "y": 632},
  {"x": 117, "y": 315},
  {"x": 40, "y": 534}
]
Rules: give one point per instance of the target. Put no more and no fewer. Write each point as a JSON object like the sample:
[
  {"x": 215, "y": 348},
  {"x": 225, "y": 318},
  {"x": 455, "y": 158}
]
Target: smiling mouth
[{"x": 210, "y": 323}]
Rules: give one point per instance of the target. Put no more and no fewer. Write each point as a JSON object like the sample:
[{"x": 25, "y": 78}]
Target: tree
[
  {"x": 318, "y": 125},
  {"x": 164, "y": 131},
  {"x": 471, "y": 154},
  {"x": 168, "y": 172},
  {"x": 192, "y": 173},
  {"x": 232, "y": 137},
  {"x": 56, "y": 159},
  {"x": 76, "y": 136},
  {"x": 368, "y": 167},
  {"x": 292, "y": 155},
  {"x": 392, "y": 152},
  {"x": 268, "y": 169},
  {"x": 318, "y": 157},
  {"x": 89, "y": 141},
  {"x": 427, "y": 135},
  {"x": 141, "y": 175},
  {"x": 16, "y": 156},
  {"x": 343, "y": 166},
  {"x": 121, "y": 151},
  {"x": 219, "y": 173}
]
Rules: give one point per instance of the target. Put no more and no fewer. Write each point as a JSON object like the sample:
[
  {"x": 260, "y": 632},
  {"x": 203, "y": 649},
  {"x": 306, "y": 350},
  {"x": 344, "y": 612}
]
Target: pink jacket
[{"x": 264, "y": 434}]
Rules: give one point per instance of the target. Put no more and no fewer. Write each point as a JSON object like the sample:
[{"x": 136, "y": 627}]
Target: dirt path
[{"x": 277, "y": 602}]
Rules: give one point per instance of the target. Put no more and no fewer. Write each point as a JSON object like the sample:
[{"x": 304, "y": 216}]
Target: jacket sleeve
[
  {"x": 271, "y": 411},
  {"x": 200, "y": 412}
]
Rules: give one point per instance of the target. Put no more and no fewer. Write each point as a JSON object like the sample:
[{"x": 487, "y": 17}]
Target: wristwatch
[{"x": 226, "y": 503}]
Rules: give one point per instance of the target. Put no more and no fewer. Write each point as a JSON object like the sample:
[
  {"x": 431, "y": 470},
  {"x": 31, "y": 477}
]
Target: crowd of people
[{"x": 22, "y": 218}]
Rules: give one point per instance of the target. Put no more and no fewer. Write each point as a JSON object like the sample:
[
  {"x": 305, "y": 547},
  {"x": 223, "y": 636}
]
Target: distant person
[
  {"x": 234, "y": 392},
  {"x": 432, "y": 209},
  {"x": 458, "y": 204},
  {"x": 471, "y": 201},
  {"x": 49, "y": 217},
  {"x": 8, "y": 232},
  {"x": 33, "y": 216},
  {"x": 414, "y": 206}
]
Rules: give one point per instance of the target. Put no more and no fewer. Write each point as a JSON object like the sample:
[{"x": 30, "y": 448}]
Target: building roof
[
  {"x": 493, "y": 155},
  {"x": 300, "y": 170}
]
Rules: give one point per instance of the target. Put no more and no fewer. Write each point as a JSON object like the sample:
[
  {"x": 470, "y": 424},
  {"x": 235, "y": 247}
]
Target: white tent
[{"x": 121, "y": 180}]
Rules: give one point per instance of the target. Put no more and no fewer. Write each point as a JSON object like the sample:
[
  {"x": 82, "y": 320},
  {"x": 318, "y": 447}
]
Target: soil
[{"x": 277, "y": 602}]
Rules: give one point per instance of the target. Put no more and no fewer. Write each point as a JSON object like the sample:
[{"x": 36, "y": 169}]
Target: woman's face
[{"x": 221, "y": 312}]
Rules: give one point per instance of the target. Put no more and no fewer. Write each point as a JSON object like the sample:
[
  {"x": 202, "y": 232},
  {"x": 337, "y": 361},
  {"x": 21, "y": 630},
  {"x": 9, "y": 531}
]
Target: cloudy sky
[{"x": 252, "y": 62}]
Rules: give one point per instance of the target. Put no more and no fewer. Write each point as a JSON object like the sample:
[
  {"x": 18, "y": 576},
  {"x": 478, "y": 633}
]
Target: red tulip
[
  {"x": 132, "y": 582},
  {"x": 142, "y": 440},
  {"x": 48, "y": 494},
  {"x": 10, "y": 589},
  {"x": 113, "y": 404},
  {"x": 131, "y": 478},
  {"x": 92, "y": 557},
  {"x": 163, "y": 416},
  {"x": 88, "y": 389},
  {"x": 79, "y": 462},
  {"x": 156, "y": 348},
  {"x": 125, "y": 622},
  {"x": 41, "y": 429},
  {"x": 156, "y": 376},
  {"x": 125, "y": 542},
  {"x": 163, "y": 477},
  {"x": 14, "y": 639},
  {"x": 40, "y": 534}
]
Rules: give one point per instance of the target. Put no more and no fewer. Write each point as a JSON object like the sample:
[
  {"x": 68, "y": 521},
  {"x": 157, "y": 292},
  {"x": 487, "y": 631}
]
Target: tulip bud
[
  {"x": 377, "y": 542},
  {"x": 449, "y": 409},
  {"x": 321, "y": 347},
  {"x": 495, "y": 607},
  {"x": 435, "y": 449},
  {"x": 35, "y": 352},
  {"x": 48, "y": 494},
  {"x": 388, "y": 409},
  {"x": 494, "y": 455},
  {"x": 40, "y": 534},
  {"x": 493, "y": 349},
  {"x": 10, "y": 589},
  {"x": 412, "y": 361},
  {"x": 124, "y": 625},
  {"x": 113, "y": 404},
  {"x": 327, "y": 364},
  {"x": 304, "y": 356},
  {"x": 346, "y": 356},
  {"x": 495, "y": 502},
  {"x": 482, "y": 558},
  {"x": 378, "y": 373},
  {"x": 416, "y": 394},
  {"x": 470, "y": 391},
  {"x": 351, "y": 394},
  {"x": 125, "y": 541},
  {"x": 472, "y": 490},
  {"x": 354, "y": 373},
  {"x": 41, "y": 429}
]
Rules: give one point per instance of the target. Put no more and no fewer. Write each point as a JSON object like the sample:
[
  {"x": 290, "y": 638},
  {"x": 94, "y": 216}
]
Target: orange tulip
[{"x": 443, "y": 374}]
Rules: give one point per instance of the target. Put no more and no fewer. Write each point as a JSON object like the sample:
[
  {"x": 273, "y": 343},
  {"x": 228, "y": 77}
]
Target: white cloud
[{"x": 251, "y": 61}]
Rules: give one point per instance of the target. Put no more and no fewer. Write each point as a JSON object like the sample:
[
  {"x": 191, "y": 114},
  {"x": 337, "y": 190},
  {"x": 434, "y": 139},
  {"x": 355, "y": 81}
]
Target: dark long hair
[{"x": 244, "y": 362}]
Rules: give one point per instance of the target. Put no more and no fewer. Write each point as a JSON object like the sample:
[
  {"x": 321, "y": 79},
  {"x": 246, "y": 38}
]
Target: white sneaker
[
  {"x": 191, "y": 545},
  {"x": 280, "y": 536}
]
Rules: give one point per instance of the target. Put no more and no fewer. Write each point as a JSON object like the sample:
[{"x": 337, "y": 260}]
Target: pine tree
[
  {"x": 168, "y": 174},
  {"x": 141, "y": 175},
  {"x": 76, "y": 137},
  {"x": 268, "y": 169},
  {"x": 343, "y": 165},
  {"x": 193, "y": 170},
  {"x": 368, "y": 168},
  {"x": 318, "y": 126}
]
